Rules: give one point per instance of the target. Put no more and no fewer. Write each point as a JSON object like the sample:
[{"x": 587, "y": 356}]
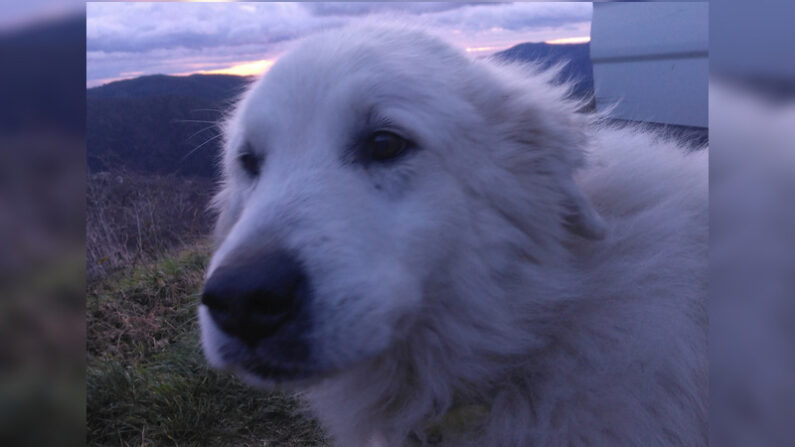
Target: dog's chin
[
  {"x": 284, "y": 381},
  {"x": 267, "y": 364},
  {"x": 259, "y": 367},
  {"x": 282, "y": 361},
  {"x": 279, "y": 362},
  {"x": 270, "y": 372}
]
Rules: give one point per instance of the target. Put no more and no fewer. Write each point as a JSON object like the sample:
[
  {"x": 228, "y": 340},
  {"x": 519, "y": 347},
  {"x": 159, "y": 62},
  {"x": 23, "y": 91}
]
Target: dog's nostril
[{"x": 253, "y": 300}]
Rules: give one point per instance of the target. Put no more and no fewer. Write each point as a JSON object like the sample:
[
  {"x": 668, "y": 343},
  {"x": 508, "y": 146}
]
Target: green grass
[{"x": 147, "y": 381}]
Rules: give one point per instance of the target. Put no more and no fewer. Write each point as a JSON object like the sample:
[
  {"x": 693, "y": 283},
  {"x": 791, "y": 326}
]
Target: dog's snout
[{"x": 252, "y": 301}]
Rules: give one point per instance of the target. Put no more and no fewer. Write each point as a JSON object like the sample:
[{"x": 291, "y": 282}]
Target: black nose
[{"x": 253, "y": 300}]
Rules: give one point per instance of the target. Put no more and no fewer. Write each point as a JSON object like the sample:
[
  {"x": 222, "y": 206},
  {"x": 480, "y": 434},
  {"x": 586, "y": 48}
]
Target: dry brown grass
[{"x": 131, "y": 218}]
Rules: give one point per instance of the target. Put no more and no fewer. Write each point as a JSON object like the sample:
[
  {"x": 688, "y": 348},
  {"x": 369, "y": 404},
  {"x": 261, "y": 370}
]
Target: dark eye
[
  {"x": 384, "y": 145},
  {"x": 250, "y": 163}
]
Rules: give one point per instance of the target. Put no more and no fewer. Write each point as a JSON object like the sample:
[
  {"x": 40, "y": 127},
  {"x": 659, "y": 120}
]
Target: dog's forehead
[{"x": 353, "y": 65}]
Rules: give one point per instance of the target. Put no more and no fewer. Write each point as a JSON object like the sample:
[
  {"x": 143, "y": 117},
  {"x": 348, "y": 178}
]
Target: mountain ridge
[{"x": 208, "y": 86}]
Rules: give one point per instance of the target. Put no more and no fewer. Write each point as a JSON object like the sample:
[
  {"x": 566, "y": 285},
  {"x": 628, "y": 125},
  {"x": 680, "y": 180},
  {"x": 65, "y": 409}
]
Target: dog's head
[{"x": 353, "y": 173}]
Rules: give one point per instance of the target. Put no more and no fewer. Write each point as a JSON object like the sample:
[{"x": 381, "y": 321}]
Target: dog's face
[{"x": 345, "y": 193}]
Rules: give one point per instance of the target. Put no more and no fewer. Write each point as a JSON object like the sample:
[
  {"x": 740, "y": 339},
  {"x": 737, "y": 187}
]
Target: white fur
[{"x": 477, "y": 269}]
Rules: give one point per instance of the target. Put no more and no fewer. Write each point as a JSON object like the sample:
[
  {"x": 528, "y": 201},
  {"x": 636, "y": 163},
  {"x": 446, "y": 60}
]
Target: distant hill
[
  {"x": 155, "y": 124},
  {"x": 579, "y": 68},
  {"x": 209, "y": 87}
]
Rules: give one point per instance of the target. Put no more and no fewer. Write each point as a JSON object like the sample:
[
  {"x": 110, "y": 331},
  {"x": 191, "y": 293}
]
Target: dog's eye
[
  {"x": 250, "y": 163},
  {"x": 384, "y": 145}
]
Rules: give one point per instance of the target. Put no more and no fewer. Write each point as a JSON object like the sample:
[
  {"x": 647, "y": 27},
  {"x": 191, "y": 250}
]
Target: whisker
[
  {"x": 199, "y": 131},
  {"x": 200, "y": 146},
  {"x": 193, "y": 121}
]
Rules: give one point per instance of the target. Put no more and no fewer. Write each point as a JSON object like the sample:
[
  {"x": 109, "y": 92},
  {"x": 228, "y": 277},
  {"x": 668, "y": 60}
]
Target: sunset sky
[{"x": 126, "y": 40}]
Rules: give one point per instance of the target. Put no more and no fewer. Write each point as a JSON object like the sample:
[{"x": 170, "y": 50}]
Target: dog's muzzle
[{"x": 253, "y": 300}]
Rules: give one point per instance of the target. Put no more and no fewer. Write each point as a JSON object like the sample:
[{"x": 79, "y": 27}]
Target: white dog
[{"x": 436, "y": 250}]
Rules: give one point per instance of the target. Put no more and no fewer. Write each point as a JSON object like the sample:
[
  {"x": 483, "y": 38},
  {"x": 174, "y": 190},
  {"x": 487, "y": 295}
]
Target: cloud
[
  {"x": 363, "y": 8},
  {"x": 131, "y": 27},
  {"x": 514, "y": 16},
  {"x": 180, "y": 37}
]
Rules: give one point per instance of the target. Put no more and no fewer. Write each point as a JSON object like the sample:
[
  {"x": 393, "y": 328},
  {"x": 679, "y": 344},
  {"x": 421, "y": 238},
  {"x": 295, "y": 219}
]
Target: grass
[{"x": 147, "y": 381}]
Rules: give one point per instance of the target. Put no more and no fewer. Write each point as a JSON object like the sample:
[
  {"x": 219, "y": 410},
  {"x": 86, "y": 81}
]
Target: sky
[
  {"x": 126, "y": 40},
  {"x": 14, "y": 15}
]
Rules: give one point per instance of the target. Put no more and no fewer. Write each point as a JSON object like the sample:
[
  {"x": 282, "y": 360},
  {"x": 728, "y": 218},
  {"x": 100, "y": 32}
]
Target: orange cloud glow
[
  {"x": 566, "y": 40},
  {"x": 243, "y": 69},
  {"x": 481, "y": 49}
]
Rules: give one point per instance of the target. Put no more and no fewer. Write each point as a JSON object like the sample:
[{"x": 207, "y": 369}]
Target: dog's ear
[
  {"x": 579, "y": 215},
  {"x": 549, "y": 138}
]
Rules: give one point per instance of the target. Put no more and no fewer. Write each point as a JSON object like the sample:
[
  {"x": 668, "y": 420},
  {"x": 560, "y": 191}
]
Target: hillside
[{"x": 158, "y": 124}]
